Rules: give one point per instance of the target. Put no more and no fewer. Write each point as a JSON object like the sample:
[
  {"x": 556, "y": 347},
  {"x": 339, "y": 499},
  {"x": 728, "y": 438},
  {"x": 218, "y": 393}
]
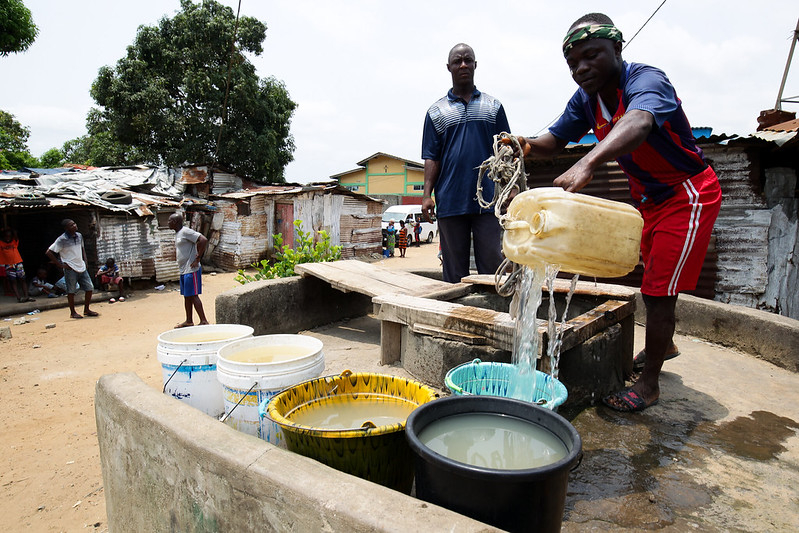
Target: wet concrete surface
[{"x": 719, "y": 452}]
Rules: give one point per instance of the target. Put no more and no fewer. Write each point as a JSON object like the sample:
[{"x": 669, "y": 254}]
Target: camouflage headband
[{"x": 593, "y": 31}]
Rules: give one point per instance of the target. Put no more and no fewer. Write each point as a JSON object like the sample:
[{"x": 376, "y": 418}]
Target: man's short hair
[
  {"x": 598, "y": 18},
  {"x": 459, "y": 45}
]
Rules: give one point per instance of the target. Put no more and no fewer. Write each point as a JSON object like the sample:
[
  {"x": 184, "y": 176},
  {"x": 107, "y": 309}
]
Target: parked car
[{"x": 410, "y": 213}]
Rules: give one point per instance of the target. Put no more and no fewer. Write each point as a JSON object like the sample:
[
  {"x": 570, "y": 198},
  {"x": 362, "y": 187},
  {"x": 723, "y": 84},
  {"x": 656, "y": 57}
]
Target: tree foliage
[
  {"x": 17, "y": 30},
  {"x": 165, "y": 100},
  {"x": 14, "y": 144}
]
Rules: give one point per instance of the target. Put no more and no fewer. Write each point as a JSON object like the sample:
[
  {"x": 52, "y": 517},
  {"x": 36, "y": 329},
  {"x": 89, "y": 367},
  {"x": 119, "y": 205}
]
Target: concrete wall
[
  {"x": 169, "y": 467},
  {"x": 288, "y": 305},
  {"x": 768, "y": 336}
]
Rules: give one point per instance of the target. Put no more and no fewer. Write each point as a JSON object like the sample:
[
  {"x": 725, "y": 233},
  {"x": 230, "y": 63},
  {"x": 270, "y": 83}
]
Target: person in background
[
  {"x": 391, "y": 237},
  {"x": 402, "y": 238},
  {"x": 417, "y": 232},
  {"x": 639, "y": 122},
  {"x": 109, "y": 273},
  {"x": 11, "y": 260},
  {"x": 40, "y": 286},
  {"x": 69, "y": 254},
  {"x": 458, "y": 136},
  {"x": 189, "y": 248}
]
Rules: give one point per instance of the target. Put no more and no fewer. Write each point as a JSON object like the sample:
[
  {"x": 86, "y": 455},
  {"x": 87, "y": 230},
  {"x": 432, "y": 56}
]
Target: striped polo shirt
[
  {"x": 460, "y": 136},
  {"x": 667, "y": 157}
]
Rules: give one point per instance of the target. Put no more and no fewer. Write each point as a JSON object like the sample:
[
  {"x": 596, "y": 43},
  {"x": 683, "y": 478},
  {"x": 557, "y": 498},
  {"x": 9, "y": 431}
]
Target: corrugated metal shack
[
  {"x": 121, "y": 213},
  {"x": 238, "y": 217},
  {"x": 240, "y": 224},
  {"x": 752, "y": 256}
]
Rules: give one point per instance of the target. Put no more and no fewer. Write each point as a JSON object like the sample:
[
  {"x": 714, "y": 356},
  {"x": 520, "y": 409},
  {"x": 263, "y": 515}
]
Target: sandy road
[{"x": 50, "y": 477}]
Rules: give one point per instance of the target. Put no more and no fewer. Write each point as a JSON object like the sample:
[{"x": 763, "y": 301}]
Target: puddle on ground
[
  {"x": 636, "y": 470},
  {"x": 759, "y": 436},
  {"x": 626, "y": 476}
]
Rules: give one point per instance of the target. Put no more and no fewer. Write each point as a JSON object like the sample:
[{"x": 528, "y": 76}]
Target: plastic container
[
  {"x": 581, "y": 234},
  {"x": 515, "y": 500},
  {"x": 188, "y": 363},
  {"x": 377, "y": 453},
  {"x": 247, "y": 385},
  {"x": 495, "y": 379}
]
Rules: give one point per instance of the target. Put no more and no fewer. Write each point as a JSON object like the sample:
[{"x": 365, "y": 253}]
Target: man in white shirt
[
  {"x": 189, "y": 248},
  {"x": 71, "y": 259}
]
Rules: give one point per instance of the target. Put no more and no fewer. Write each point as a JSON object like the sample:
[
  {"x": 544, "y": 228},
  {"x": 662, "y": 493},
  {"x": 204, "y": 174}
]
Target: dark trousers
[{"x": 456, "y": 233}]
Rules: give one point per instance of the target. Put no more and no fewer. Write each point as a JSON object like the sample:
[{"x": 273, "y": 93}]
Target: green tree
[
  {"x": 52, "y": 158},
  {"x": 14, "y": 152},
  {"x": 17, "y": 30},
  {"x": 166, "y": 98}
]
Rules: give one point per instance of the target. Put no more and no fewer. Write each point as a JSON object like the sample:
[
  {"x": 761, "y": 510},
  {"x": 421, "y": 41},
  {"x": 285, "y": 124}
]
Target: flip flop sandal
[
  {"x": 630, "y": 401},
  {"x": 640, "y": 359}
]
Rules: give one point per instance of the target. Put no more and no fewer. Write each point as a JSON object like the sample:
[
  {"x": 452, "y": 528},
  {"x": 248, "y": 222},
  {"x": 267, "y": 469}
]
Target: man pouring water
[{"x": 639, "y": 122}]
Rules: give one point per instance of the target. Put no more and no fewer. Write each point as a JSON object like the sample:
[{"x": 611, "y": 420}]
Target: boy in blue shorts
[{"x": 189, "y": 248}]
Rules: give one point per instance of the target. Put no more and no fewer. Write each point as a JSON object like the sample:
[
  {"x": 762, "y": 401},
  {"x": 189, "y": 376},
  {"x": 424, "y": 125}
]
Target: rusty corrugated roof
[{"x": 786, "y": 127}]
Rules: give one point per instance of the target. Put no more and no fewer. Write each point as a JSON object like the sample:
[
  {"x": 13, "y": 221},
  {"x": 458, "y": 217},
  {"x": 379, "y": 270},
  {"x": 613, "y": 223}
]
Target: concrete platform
[{"x": 719, "y": 453}]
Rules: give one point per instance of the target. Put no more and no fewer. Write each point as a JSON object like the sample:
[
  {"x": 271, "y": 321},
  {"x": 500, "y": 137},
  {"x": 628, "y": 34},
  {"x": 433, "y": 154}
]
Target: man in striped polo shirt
[
  {"x": 639, "y": 122},
  {"x": 458, "y": 136}
]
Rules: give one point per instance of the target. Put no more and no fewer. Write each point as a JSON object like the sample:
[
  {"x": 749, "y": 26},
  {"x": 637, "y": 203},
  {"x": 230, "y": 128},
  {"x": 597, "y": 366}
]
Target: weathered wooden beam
[
  {"x": 449, "y": 334},
  {"x": 373, "y": 280},
  {"x": 562, "y": 286},
  {"x": 497, "y": 327},
  {"x": 390, "y": 342}
]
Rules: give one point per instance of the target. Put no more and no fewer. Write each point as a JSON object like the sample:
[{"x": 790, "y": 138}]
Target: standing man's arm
[
  {"x": 83, "y": 251},
  {"x": 202, "y": 244},
  {"x": 55, "y": 260},
  {"x": 431, "y": 170}
]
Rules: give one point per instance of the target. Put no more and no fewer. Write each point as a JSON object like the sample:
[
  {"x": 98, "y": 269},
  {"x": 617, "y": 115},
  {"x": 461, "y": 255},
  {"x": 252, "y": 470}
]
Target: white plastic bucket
[
  {"x": 247, "y": 385},
  {"x": 188, "y": 363}
]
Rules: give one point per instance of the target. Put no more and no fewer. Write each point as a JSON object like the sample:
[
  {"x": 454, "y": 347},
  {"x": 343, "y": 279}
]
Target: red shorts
[
  {"x": 107, "y": 279},
  {"x": 676, "y": 235}
]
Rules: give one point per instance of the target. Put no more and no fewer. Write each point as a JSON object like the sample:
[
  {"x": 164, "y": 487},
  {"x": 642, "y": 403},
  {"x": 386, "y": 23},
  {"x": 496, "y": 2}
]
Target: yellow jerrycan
[{"x": 579, "y": 233}]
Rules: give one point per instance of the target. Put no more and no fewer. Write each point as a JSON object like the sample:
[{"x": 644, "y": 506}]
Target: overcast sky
[{"x": 363, "y": 73}]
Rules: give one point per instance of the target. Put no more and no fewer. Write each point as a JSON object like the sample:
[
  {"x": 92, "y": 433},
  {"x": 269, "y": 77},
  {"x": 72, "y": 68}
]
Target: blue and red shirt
[
  {"x": 667, "y": 157},
  {"x": 460, "y": 136}
]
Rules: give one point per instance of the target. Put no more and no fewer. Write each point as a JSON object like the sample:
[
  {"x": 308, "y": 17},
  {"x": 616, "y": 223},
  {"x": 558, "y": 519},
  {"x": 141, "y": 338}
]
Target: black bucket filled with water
[{"x": 502, "y": 461}]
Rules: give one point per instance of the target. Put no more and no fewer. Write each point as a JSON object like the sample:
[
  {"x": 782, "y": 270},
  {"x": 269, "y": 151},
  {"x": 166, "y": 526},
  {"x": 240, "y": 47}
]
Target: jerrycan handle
[{"x": 535, "y": 226}]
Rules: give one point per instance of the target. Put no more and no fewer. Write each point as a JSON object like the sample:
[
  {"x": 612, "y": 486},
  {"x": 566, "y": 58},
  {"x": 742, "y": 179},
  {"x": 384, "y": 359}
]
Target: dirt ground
[{"x": 50, "y": 477}]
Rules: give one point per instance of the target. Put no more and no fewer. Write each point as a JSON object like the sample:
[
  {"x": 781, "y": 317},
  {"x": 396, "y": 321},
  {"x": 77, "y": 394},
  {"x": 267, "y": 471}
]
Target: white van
[{"x": 410, "y": 213}]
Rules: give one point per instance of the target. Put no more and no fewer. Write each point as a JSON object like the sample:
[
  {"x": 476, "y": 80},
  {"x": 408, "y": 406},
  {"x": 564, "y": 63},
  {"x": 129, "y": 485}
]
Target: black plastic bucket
[{"x": 515, "y": 500}]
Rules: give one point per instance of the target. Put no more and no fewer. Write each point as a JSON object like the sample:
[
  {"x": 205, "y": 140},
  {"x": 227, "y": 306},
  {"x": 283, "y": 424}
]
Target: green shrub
[{"x": 285, "y": 259}]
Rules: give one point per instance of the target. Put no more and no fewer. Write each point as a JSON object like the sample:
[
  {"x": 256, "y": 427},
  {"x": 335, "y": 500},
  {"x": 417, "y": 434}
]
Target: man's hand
[
  {"x": 577, "y": 177},
  {"x": 428, "y": 208},
  {"x": 523, "y": 144}
]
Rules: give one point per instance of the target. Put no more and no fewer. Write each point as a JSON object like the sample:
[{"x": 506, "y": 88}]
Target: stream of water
[{"x": 526, "y": 340}]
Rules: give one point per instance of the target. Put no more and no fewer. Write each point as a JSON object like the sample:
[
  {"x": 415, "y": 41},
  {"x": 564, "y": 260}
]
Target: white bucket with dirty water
[
  {"x": 253, "y": 370},
  {"x": 188, "y": 363}
]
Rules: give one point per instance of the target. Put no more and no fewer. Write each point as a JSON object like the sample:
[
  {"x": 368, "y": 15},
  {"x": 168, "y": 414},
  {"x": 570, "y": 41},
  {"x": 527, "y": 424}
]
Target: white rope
[{"x": 507, "y": 173}]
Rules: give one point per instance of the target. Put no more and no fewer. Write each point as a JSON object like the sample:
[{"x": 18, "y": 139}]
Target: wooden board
[
  {"x": 561, "y": 285},
  {"x": 496, "y": 327},
  {"x": 372, "y": 280}
]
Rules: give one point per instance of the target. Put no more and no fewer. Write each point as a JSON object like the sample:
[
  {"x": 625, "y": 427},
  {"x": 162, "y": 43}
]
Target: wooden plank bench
[{"x": 373, "y": 280}]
